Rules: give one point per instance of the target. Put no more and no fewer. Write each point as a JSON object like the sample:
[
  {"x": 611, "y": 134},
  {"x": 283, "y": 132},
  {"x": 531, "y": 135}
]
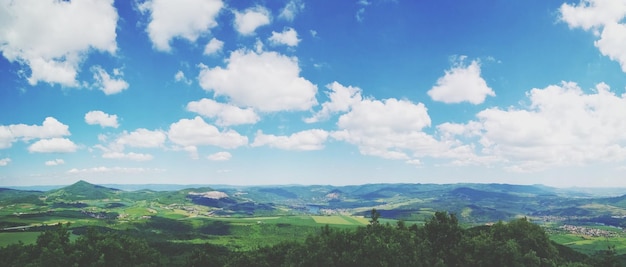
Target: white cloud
[
  {"x": 195, "y": 132},
  {"x": 288, "y": 37},
  {"x": 143, "y": 138},
  {"x": 612, "y": 43},
  {"x": 103, "y": 169},
  {"x": 55, "y": 162},
  {"x": 6, "y": 137},
  {"x": 130, "y": 156},
  {"x": 180, "y": 77},
  {"x": 248, "y": 21},
  {"x": 341, "y": 98},
  {"x": 393, "y": 129},
  {"x": 360, "y": 13},
  {"x": 53, "y": 38},
  {"x": 50, "y": 128},
  {"x": 101, "y": 118},
  {"x": 461, "y": 84},
  {"x": 605, "y": 18},
  {"x": 192, "y": 150},
  {"x": 213, "y": 47},
  {"x": 248, "y": 82},
  {"x": 53, "y": 145},
  {"x": 140, "y": 138},
  {"x": 186, "y": 19},
  {"x": 225, "y": 114},
  {"x": 563, "y": 126},
  {"x": 107, "y": 84},
  {"x": 305, "y": 140},
  {"x": 220, "y": 156},
  {"x": 5, "y": 162},
  {"x": 385, "y": 128},
  {"x": 386, "y": 115},
  {"x": 589, "y": 14},
  {"x": 291, "y": 9}
]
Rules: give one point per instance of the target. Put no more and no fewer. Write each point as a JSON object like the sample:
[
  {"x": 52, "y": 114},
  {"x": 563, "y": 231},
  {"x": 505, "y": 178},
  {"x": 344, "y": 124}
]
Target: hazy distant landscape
[{"x": 245, "y": 218}]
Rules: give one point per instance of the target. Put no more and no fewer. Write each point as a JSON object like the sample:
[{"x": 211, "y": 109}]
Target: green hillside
[
  {"x": 244, "y": 218},
  {"x": 82, "y": 190}
]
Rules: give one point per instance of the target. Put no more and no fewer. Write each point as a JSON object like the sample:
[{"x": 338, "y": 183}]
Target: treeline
[{"x": 440, "y": 242}]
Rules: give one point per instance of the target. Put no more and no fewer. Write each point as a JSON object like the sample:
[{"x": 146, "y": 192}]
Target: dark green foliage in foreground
[
  {"x": 53, "y": 248},
  {"x": 440, "y": 242}
]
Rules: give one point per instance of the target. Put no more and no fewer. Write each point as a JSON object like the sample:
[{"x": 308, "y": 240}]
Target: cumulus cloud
[
  {"x": 305, "y": 140},
  {"x": 5, "y": 162},
  {"x": 248, "y": 21},
  {"x": 50, "y": 128},
  {"x": 394, "y": 129},
  {"x": 53, "y": 145},
  {"x": 248, "y": 82},
  {"x": 213, "y": 46},
  {"x": 291, "y": 9},
  {"x": 130, "y": 156},
  {"x": 385, "y": 128},
  {"x": 220, "y": 156},
  {"x": 288, "y": 37},
  {"x": 106, "y": 83},
  {"x": 589, "y": 14},
  {"x": 341, "y": 98},
  {"x": 52, "y": 38},
  {"x": 139, "y": 138},
  {"x": 196, "y": 132},
  {"x": 225, "y": 114},
  {"x": 462, "y": 83},
  {"x": 101, "y": 118},
  {"x": 185, "y": 19},
  {"x": 612, "y": 42},
  {"x": 605, "y": 18},
  {"x": 143, "y": 138},
  {"x": 563, "y": 126},
  {"x": 55, "y": 162},
  {"x": 180, "y": 77},
  {"x": 103, "y": 169},
  {"x": 192, "y": 150}
]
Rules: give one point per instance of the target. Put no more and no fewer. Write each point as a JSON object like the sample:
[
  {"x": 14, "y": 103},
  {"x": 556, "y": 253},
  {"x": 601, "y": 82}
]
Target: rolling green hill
[
  {"x": 82, "y": 190},
  {"x": 247, "y": 217}
]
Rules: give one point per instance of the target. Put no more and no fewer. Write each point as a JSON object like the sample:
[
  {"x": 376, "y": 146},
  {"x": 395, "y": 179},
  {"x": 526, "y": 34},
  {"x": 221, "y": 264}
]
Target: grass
[
  {"x": 332, "y": 220},
  {"x": 8, "y": 238},
  {"x": 590, "y": 245}
]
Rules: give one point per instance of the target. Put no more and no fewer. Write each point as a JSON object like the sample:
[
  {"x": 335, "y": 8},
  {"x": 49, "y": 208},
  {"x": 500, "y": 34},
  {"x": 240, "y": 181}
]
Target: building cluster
[{"x": 586, "y": 231}]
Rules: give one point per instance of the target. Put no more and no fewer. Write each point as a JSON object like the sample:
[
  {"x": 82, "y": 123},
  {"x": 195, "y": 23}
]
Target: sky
[{"x": 313, "y": 92}]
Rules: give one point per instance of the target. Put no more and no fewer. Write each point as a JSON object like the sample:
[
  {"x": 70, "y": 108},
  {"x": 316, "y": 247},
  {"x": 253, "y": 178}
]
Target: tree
[
  {"x": 444, "y": 235},
  {"x": 53, "y": 246},
  {"x": 374, "y": 215}
]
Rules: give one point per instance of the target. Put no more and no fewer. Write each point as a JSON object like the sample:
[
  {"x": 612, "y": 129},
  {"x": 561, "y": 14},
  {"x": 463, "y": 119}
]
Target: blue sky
[{"x": 313, "y": 92}]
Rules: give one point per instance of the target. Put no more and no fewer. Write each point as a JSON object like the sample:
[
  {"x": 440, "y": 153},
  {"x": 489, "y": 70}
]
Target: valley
[{"x": 246, "y": 218}]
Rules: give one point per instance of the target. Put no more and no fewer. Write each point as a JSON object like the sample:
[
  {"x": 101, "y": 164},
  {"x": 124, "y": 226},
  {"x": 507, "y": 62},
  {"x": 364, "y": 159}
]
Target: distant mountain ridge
[{"x": 475, "y": 203}]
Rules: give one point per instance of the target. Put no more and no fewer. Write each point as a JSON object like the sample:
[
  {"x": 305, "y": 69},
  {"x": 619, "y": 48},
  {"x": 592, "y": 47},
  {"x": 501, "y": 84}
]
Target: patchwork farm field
[
  {"x": 240, "y": 233},
  {"x": 590, "y": 245},
  {"x": 245, "y": 219}
]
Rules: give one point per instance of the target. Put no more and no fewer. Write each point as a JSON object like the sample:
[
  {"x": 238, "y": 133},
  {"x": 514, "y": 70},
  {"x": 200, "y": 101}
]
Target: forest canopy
[{"x": 441, "y": 241}]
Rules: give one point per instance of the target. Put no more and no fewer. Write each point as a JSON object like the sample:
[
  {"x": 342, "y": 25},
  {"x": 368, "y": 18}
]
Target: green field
[
  {"x": 343, "y": 220},
  {"x": 15, "y": 237},
  {"x": 236, "y": 233},
  {"x": 590, "y": 245}
]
